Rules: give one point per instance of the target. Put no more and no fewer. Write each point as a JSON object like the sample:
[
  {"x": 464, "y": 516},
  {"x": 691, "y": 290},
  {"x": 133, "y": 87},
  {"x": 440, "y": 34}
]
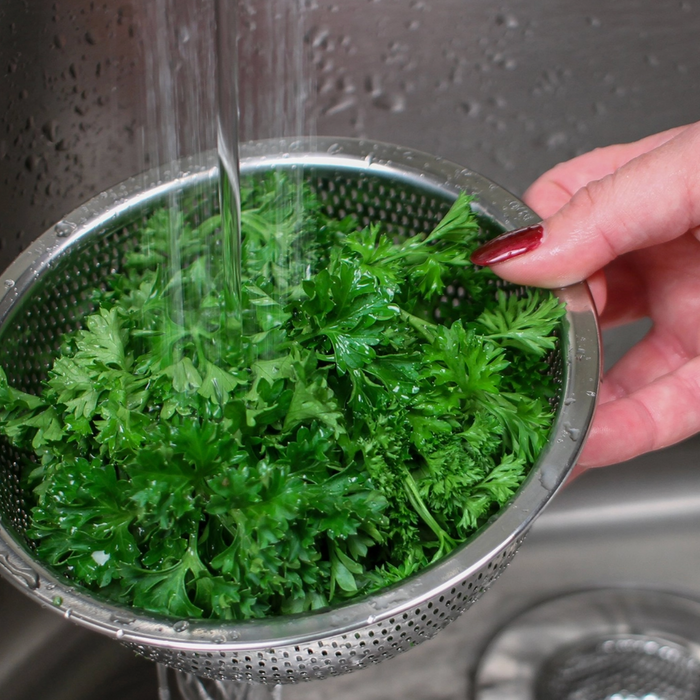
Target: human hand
[{"x": 627, "y": 219}]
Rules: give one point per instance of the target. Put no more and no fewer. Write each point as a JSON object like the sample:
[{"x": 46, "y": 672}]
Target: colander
[{"x": 47, "y": 291}]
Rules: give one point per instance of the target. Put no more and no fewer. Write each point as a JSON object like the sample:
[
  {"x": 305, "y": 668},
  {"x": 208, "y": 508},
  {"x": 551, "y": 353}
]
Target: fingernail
[{"x": 508, "y": 245}]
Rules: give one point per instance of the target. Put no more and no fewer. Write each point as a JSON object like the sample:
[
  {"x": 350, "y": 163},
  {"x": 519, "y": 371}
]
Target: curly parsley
[{"x": 347, "y": 441}]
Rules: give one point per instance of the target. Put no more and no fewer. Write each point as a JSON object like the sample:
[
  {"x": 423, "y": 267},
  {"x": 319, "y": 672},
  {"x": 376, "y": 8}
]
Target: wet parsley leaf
[{"x": 373, "y": 406}]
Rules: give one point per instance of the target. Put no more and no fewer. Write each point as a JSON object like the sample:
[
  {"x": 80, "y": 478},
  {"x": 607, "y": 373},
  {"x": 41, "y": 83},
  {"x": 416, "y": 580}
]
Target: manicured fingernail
[{"x": 508, "y": 245}]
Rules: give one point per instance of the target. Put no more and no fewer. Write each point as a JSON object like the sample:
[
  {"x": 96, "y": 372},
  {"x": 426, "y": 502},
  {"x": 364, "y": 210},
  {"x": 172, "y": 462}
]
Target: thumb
[{"x": 652, "y": 199}]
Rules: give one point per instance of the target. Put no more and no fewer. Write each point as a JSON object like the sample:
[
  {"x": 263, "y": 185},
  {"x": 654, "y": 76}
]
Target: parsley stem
[
  {"x": 425, "y": 328},
  {"x": 447, "y": 544}
]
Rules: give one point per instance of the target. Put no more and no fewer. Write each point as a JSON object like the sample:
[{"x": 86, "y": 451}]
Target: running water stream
[
  {"x": 227, "y": 146},
  {"x": 189, "y": 45},
  {"x": 181, "y": 54},
  {"x": 192, "y": 44}
]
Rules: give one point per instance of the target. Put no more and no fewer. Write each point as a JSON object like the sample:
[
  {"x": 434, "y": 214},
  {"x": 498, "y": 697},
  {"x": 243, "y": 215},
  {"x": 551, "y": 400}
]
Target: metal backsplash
[{"x": 508, "y": 88}]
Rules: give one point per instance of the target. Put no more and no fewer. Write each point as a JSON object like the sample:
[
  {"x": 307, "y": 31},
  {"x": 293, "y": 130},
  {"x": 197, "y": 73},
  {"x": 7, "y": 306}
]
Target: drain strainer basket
[
  {"x": 600, "y": 644},
  {"x": 621, "y": 667},
  {"x": 47, "y": 291}
]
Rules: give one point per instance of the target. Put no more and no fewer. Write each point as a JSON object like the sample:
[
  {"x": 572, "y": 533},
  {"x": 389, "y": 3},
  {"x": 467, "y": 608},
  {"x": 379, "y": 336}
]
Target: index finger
[
  {"x": 550, "y": 192},
  {"x": 653, "y": 198}
]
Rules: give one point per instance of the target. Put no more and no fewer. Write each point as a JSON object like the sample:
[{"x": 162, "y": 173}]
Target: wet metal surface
[{"x": 508, "y": 89}]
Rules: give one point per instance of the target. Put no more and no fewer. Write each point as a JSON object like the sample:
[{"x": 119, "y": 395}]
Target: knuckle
[{"x": 584, "y": 207}]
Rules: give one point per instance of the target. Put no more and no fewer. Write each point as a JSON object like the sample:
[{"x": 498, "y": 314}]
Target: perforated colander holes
[
  {"x": 12, "y": 496},
  {"x": 554, "y": 362},
  {"x": 403, "y": 210},
  {"x": 48, "y": 315}
]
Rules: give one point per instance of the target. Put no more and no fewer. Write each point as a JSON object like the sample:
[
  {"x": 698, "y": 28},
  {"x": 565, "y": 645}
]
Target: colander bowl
[{"x": 47, "y": 291}]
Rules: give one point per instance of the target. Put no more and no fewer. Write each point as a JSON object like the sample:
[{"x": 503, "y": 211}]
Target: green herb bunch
[{"x": 351, "y": 427}]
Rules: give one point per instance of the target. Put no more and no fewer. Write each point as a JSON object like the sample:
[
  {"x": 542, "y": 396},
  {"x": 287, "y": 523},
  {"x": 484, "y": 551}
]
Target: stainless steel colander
[{"x": 47, "y": 291}]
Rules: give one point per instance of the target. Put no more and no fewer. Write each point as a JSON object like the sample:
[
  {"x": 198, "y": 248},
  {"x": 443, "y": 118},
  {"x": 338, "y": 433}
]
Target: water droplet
[
  {"x": 507, "y": 21},
  {"x": 57, "y": 601},
  {"x": 122, "y": 620},
  {"x": 32, "y": 163},
  {"x": 219, "y": 640},
  {"x": 573, "y": 433},
  {"x": 233, "y": 635},
  {"x": 50, "y": 130},
  {"x": 371, "y": 619},
  {"x": 549, "y": 478},
  {"x": 590, "y": 393},
  {"x": 64, "y": 228},
  {"x": 68, "y": 614},
  {"x": 100, "y": 557},
  {"x": 471, "y": 108},
  {"x": 569, "y": 400},
  {"x": 341, "y": 105},
  {"x": 20, "y": 570},
  {"x": 181, "y": 626},
  {"x": 390, "y": 103},
  {"x": 556, "y": 139},
  {"x": 9, "y": 284},
  {"x": 119, "y": 634}
]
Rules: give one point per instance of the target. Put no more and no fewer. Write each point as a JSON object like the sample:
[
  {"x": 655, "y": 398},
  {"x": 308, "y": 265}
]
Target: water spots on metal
[
  {"x": 64, "y": 229},
  {"x": 19, "y": 570}
]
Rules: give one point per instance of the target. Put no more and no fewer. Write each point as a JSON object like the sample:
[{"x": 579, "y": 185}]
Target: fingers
[
  {"x": 555, "y": 188},
  {"x": 598, "y": 286},
  {"x": 626, "y": 297},
  {"x": 619, "y": 294},
  {"x": 655, "y": 416},
  {"x": 657, "y": 355},
  {"x": 652, "y": 199}
]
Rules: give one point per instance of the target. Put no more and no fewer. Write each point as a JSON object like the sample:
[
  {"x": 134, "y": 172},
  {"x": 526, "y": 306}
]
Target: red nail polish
[{"x": 508, "y": 245}]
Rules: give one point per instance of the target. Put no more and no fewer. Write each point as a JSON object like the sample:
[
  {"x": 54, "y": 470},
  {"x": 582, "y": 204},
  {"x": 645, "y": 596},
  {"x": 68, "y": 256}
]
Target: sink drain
[
  {"x": 627, "y": 667},
  {"x": 608, "y": 644},
  {"x": 178, "y": 685}
]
